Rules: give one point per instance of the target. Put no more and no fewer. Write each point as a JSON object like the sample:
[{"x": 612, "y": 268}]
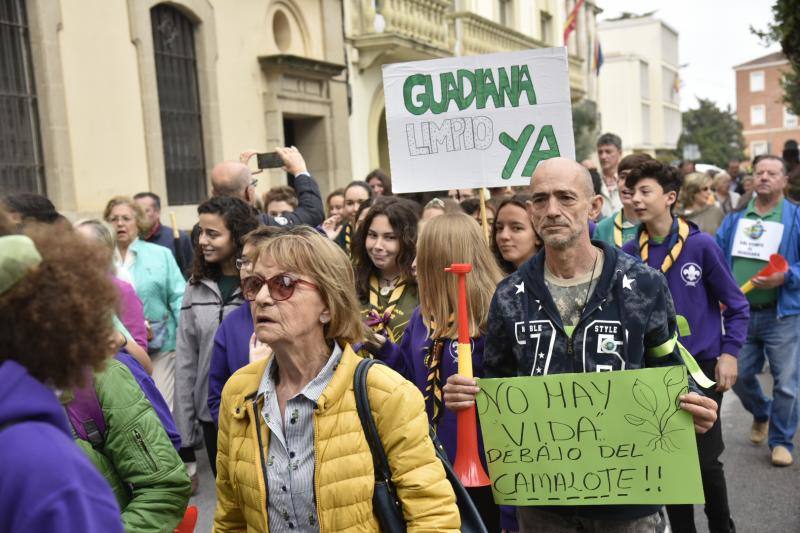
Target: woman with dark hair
[
  {"x": 27, "y": 207},
  {"x": 235, "y": 344},
  {"x": 361, "y": 214},
  {"x": 56, "y": 301},
  {"x": 379, "y": 182},
  {"x": 383, "y": 250},
  {"x": 213, "y": 292},
  {"x": 472, "y": 207},
  {"x": 341, "y": 229},
  {"x": 513, "y": 240}
]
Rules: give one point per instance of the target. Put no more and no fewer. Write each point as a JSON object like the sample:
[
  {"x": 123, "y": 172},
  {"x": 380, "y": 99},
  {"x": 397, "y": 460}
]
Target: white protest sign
[
  {"x": 757, "y": 239},
  {"x": 477, "y": 121}
]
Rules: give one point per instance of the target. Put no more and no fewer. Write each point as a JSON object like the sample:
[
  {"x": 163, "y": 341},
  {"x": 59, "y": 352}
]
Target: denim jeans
[{"x": 777, "y": 340}]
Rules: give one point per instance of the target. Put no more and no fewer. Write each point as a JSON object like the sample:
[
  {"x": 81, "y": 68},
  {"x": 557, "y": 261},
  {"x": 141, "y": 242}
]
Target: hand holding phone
[
  {"x": 269, "y": 160},
  {"x": 293, "y": 161}
]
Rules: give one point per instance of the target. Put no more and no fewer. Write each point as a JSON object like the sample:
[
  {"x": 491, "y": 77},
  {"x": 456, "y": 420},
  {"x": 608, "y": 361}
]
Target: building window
[
  {"x": 646, "y": 137},
  {"x": 644, "y": 80},
  {"x": 757, "y": 81},
  {"x": 546, "y": 27},
  {"x": 789, "y": 118},
  {"x": 670, "y": 85},
  {"x": 758, "y": 148},
  {"x": 758, "y": 115},
  {"x": 505, "y": 12},
  {"x": 21, "y": 162},
  {"x": 179, "y": 105}
]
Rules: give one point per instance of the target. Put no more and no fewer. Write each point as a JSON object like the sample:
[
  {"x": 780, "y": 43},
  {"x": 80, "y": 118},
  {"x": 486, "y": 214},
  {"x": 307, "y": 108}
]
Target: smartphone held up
[{"x": 269, "y": 160}]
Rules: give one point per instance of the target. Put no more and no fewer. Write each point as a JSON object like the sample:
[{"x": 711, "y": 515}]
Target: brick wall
[{"x": 772, "y": 131}]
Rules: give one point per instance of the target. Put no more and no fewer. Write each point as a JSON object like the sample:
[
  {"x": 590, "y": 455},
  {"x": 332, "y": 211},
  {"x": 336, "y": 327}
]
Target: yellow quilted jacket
[{"x": 343, "y": 473}]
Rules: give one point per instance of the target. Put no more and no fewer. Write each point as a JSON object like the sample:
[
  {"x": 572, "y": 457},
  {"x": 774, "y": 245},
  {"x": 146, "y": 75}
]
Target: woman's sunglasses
[{"x": 281, "y": 287}]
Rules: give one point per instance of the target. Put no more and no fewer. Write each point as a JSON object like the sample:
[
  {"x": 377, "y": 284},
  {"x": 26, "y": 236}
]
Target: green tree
[
  {"x": 716, "y": 132},
  {"x": 584, "y": 126},
  {"x": 785, "y": 29}
]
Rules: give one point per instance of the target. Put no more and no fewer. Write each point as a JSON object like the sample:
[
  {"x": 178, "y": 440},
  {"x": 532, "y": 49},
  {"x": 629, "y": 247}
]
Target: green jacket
[{"x": 137, "y": 458}]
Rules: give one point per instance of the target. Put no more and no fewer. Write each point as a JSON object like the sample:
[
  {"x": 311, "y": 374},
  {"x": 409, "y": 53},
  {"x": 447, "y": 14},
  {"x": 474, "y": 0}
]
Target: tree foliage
[
  {"x": 584, "y": 126},
  {"x": 716, "y": 132},
  {"x": 785, "y": 29}
]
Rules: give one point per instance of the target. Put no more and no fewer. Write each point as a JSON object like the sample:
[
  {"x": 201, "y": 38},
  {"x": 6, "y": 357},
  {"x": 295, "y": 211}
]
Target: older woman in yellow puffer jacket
[{"x": 291, "y": 451}]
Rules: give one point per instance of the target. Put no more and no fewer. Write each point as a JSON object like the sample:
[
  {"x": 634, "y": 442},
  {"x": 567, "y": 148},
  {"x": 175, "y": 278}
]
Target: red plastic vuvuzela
[
  {"x": 468, "y": 466},
  {"x": 188, "y": 522},
  {"x": 777, "y": 263}
]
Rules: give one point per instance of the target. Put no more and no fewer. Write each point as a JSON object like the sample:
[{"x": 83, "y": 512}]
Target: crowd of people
[{"x": 126, "y": 346}]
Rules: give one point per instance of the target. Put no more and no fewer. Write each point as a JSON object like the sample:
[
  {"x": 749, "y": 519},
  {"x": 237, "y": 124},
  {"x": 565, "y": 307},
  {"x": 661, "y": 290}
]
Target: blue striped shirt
[{"x": 290, "y": 458}]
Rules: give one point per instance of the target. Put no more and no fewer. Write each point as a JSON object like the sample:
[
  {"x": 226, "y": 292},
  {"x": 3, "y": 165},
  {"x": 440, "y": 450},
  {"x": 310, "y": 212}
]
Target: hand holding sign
[{"x": 598, "y": 438}]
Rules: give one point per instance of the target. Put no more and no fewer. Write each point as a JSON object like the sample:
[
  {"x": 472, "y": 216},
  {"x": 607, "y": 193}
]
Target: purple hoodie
[
  {"x": 699, "y": 281},
  {"x": 408, "y": 359},
  {"x": 230, "y": 353},
  {"x": 46, "y": 482},
  {"x": 148, "y": 386}
]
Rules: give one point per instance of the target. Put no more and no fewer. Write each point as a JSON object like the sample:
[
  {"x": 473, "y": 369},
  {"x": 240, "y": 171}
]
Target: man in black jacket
[
  {"x": 233, "y": 178},
  {"x": 580, "y": 306}
]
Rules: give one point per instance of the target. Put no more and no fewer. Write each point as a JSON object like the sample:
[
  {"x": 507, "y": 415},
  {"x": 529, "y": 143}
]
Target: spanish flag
[
  {"x": 572, "y": 20},
  {"x": 598, "y": 57}
]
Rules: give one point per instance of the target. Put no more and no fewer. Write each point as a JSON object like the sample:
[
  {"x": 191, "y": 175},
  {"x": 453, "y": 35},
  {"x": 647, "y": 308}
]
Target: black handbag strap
[
  {"x": 470, "y": 517},
  {"x": 379, "y": 459}
]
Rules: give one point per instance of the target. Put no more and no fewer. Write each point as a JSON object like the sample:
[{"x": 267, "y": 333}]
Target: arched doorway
[{"x": 383, "y": 144}]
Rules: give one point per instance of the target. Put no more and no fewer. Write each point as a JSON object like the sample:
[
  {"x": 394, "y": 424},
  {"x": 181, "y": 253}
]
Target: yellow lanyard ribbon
[
  {"x": 618, "y": 230},
  {"x": 674, "y": 252}
]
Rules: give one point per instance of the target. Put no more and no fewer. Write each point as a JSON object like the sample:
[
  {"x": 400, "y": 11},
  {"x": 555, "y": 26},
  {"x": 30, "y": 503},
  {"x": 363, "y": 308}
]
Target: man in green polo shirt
[
  {"x": 769, "y": 224},
  {"x": 745, "y": 268}
]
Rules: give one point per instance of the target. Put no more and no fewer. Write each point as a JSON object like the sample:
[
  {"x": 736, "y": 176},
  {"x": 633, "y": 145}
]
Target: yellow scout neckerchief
[
  {"x": 674, "y": 252},
  {"x": 433, "y": 382},
  {"x": 379, "y": 319},
  {"x": 618, "y": 229}
]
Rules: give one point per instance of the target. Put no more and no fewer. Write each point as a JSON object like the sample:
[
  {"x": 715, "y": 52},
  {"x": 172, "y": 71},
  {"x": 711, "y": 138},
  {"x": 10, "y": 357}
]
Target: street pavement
[{"x": 763, "y": 499}]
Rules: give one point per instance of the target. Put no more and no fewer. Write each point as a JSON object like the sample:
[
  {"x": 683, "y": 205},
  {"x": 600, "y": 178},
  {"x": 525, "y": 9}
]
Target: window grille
[
  {"x": 21, "y": 161},
  {"x": 179, "y": 104}
]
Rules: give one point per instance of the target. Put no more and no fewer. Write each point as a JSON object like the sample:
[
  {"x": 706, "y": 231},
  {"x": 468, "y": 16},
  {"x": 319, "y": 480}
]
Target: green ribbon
[
  {"x": 668, "y": 347},
  {"x": 683, "y": 326}
]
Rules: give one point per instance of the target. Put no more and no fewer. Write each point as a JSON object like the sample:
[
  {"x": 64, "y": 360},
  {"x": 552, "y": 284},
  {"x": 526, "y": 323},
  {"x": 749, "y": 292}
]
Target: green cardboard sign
[{"x": 590, "y": 439}]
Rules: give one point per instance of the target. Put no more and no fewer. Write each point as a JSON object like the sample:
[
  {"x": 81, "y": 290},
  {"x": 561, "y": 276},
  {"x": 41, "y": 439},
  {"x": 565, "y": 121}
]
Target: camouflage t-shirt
[{"x": 570, "y": 295}]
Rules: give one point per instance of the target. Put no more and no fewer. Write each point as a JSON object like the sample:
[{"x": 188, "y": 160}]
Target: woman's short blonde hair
[
  {"x": 142, "y": 225},
  {"x": 302, "y": 250},
  {"x": 446, "y": 239},
  {"x": 719, "y": 177},
  {"x": 692, "y": 184}
]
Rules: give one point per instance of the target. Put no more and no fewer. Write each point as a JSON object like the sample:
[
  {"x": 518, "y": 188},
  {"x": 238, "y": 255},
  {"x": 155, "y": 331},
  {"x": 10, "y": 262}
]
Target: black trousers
[
  {"x": 210, "y": 438},
  {"x": 484, "y": 502},
  {"x": 709, "y": 449}
]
